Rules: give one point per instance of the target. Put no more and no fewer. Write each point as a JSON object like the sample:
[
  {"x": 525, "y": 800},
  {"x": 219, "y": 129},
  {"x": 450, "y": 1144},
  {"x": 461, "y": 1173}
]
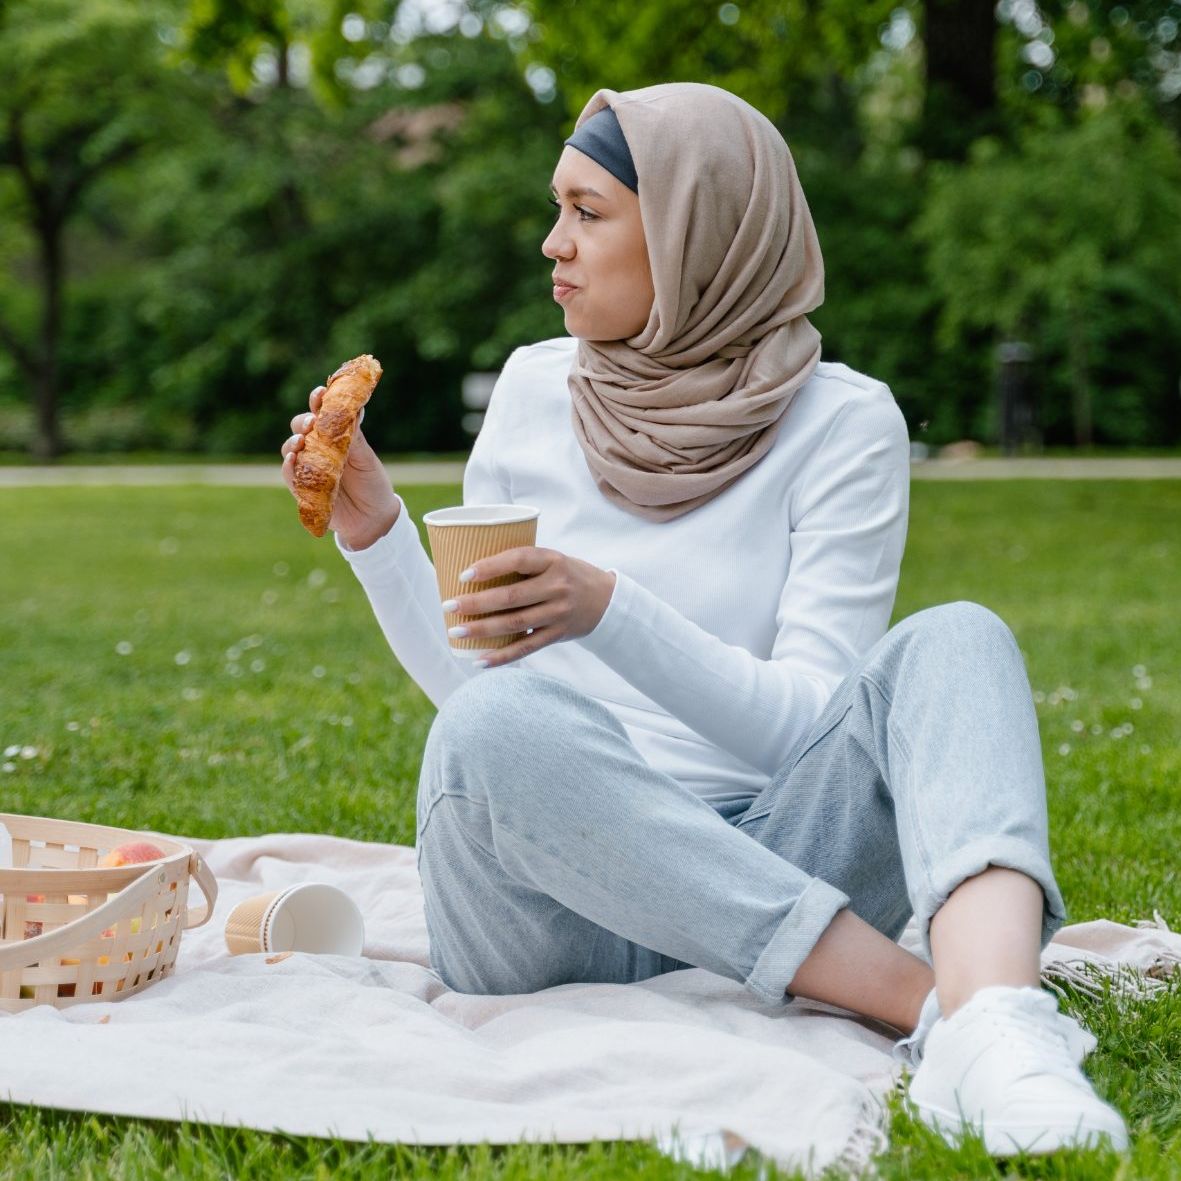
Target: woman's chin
[{"x": 586, "y": 328}]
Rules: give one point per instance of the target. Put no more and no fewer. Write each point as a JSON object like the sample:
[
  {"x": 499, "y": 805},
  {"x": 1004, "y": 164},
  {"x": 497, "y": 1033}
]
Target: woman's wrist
[{"x": 375, "y": 532}]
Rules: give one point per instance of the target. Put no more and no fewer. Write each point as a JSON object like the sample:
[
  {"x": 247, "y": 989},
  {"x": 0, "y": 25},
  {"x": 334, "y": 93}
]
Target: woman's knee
[
  {"x": 964, "y": 621},
  {"x": 964, "y": 633},
  {"x": 493, "y": 708},
  {"x": 492, "y": 735},
  {"x": 960, "y": 644}
]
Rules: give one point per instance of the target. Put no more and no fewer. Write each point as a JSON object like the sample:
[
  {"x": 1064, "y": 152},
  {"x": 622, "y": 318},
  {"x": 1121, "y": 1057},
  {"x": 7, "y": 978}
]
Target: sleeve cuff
[
  {"x": 606, "y": 632},
  {"x": 388, "y": 553}
]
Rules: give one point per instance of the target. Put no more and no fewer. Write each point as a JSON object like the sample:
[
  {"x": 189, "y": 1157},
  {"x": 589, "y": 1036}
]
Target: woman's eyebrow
[{"x": 584, "y": 191}]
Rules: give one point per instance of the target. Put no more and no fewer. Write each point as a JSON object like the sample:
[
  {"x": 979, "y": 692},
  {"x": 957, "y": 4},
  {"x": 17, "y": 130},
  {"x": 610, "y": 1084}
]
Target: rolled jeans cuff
[
  {"x": 974, "y": 858},
  {"x": 794, "y": 939}
]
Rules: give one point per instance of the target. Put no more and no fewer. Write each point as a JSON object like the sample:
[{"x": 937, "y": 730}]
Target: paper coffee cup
[
  {"x": 244, "y": 926},
  {"x": 312, "y": 917},
  {"x": 463, "y": 535}
]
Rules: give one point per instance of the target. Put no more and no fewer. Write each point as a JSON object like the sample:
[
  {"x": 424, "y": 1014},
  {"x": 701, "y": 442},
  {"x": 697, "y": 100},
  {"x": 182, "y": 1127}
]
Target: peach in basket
[
  {"x": 32, "y": 926},
  {"x": 130, "y": 854}
]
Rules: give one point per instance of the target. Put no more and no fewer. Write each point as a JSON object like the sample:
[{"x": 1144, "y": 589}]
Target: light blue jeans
[{"x": 551, "y": 852}]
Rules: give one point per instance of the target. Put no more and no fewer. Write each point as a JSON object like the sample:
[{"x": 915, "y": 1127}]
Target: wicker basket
[{"x": 90, "y": 934}]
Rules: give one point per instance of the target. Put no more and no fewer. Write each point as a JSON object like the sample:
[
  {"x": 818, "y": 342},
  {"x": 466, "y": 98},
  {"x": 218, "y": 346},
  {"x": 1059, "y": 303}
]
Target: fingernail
[
  {"x": 457, "y": 632},
  {"x": 308, "y": 419},
  {"x": 295, "y": 439},
  {"x": 468, "y": 574},
  {"x": 451, "y": 605},
  {"x": 480, "y": 663}
]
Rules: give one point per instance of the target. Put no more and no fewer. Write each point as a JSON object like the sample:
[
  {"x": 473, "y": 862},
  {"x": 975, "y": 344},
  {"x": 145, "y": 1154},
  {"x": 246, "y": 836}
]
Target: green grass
[{"x": 189, "y": 660}]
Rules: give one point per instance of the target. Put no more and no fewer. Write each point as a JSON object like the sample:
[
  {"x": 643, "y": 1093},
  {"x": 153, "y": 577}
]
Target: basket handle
[
  {"x": 82, "y": 930},
  {"x": 199, "y": 916}
]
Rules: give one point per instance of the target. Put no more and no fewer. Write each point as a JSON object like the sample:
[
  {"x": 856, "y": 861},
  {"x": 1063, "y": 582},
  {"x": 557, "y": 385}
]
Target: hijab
[{"x": 671, "y": 417}]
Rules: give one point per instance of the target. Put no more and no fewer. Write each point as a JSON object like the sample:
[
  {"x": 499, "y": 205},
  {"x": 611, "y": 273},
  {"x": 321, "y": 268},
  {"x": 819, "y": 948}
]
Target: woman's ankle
[
  {"x": 986, "y": 933},
  {"x": 858, "y": 968}
]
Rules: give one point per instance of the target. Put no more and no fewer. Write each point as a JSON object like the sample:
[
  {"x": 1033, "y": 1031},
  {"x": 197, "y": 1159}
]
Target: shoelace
[
  {"x": 1039, "y": 1035},
  {"x": 1079, "y": 1040}
]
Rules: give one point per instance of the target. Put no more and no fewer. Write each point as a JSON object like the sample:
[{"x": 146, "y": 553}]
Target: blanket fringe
[
  {"x": 1093, "y": 978},
  {"x": 868, "y": 1139},
  {"x": 1156, "y": 923}
]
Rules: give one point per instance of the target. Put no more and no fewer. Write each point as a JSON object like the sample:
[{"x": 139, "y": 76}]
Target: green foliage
[
  {"x": 770, "y": 52},
  {"x": 1073, "y": 241},
  {"x": 879, "y": 313},
  {"x": 1094, "y": 52},
  {"x": 237, "y": 36},
  {"x": 206, "y": 204},
  {"x": 82, "y": 94},
  {"x": 283, "y": 235},
  {"x": 77, "y": 87}
]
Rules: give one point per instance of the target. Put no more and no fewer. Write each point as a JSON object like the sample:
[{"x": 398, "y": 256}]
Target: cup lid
[{"x": 481, "y": 514}]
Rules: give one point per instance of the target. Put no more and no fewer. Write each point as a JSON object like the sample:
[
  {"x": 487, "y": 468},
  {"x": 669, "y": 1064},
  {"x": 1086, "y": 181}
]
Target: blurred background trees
[{"x": 206, "y": 204}]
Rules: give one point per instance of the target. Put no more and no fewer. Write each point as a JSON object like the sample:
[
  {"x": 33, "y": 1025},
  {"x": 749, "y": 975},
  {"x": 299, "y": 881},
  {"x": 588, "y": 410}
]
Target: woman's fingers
[
  {"x": 539, "y": 637},
  {"x": 302, "y": 423},
  {"x": 528, "y": 592},
  {"x": 288, "y": 470}
]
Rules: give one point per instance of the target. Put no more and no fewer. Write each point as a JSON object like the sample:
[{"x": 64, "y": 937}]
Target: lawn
[{"x": 189, "y": 660}]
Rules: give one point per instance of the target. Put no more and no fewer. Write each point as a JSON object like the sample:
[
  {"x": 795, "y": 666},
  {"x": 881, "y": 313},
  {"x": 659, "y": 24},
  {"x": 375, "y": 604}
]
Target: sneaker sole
[{"x": 1012, "y": 1139}]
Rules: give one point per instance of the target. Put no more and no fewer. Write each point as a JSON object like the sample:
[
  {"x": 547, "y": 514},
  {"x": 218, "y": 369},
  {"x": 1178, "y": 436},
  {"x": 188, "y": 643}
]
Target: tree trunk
[
  {"x": 47, "y": 444},
  {"x": 1080, "y": 382},
  {"x": 281, "y": 59},
  {"x": 960, "y": 100}
]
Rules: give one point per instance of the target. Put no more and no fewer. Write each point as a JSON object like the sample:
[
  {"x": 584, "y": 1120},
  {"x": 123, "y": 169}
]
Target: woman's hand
[
  {"x": 560, "y": 599},
  {"x": 365, "y": 507}
]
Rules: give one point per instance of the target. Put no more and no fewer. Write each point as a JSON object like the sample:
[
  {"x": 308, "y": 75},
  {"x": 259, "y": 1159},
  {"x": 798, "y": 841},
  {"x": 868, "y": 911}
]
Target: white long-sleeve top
[{"x": 730, "y": 626}]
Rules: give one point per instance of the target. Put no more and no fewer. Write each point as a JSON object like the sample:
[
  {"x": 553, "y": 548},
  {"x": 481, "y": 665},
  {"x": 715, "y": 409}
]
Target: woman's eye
[{"x": 583, "y": 214}]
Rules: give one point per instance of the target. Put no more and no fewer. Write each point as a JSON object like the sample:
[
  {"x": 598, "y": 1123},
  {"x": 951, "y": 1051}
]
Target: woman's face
[{"x": 602, "y": 277}]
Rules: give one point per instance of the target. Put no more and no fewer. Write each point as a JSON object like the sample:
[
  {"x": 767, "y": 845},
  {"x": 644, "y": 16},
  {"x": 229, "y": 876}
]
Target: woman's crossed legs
[{"x": 551, "y": 852}]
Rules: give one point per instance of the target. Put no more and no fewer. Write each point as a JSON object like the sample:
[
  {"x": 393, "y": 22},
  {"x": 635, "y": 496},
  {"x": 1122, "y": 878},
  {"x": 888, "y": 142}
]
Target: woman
[{"x": 708, "y": 750}]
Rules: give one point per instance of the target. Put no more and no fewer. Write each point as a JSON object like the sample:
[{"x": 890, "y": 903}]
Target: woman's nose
[{"x": 557, "y": 243}]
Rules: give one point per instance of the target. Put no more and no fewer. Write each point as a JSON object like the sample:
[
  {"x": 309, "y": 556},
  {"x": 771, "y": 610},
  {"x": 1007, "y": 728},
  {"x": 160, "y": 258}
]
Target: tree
[
  {"x": 773, "y": 53},
  {"x": 1072, "y": 237},
  {"x": 1066, "y": 57},
  {"x": 959, "y": 103},
  {"x": 81, "y": 98},
  {"x": 291, "y": 228}
]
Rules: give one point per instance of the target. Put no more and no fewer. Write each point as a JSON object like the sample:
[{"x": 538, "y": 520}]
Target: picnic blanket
[{"x": 377, "y": 1047}]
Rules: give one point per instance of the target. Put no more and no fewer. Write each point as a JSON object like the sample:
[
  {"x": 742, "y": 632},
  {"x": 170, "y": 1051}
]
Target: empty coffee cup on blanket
[
  {"x": 312, "y": 916},
  {"x": 464, "y": 534}
]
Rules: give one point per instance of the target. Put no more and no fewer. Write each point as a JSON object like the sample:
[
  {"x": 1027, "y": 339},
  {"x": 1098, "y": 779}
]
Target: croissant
[{"x": 319, "y": 463}]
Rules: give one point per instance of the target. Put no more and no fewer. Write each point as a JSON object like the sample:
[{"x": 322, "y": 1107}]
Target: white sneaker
[{"x": 1006, "y": 1063}]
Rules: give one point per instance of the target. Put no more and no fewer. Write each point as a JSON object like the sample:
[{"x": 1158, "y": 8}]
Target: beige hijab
[{"x": 673, "y": 416}]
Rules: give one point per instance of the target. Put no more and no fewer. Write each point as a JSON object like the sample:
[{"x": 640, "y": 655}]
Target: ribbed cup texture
[
  {"x": 454, "y": 548},
  {"x": 244, "y": 926}
]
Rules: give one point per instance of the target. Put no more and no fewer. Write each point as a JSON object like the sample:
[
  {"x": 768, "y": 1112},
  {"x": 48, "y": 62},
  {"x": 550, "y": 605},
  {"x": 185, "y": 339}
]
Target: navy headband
[{"x": 601, "y": 138}]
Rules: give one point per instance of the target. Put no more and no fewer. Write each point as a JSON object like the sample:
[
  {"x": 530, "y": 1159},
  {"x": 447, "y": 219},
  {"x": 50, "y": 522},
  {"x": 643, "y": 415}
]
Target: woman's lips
[{"x": 561, "y": 291}]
